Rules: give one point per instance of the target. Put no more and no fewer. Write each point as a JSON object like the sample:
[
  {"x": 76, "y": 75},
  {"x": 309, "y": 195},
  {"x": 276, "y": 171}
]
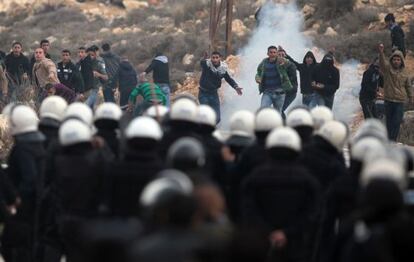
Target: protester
[
  {"x": 305, "y": 71},
  {"x": 291, "y": 71},
  {"x": 84, "y": 66},
  {"x": 99, "y": 76},
  {"x": 397, "y": 33},
  {"x": 61, "y": 90},
  {"x": 397, "y": 90},
  {"x": 325, "y": 82},
  {"x": 372, "y": 82},
  {"x": 45, "y": 45},
  {"x": 112, "y": 62},
  {"x": 161, "y": 74},
  {"x": 68, "y": 74},
  {"x": 3, "y": 83},
  {"x": 127, "y": 77},
  {"x": 17, "y": 65},
  {"x": 273, "y": 80},
  {"x": 213, "y": 71}
]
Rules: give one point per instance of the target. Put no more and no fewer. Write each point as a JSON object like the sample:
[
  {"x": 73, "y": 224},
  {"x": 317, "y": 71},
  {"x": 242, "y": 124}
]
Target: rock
[
  {"x": 365, "y": 1},
  {"x": 51, "y": 39},
  {"x": 408, "y": 7},
  {"x": 406, "y": 135},
  {"x": 330, "y": 32},
  {"x": 133, "y": 4},
  {"x": 117, "y": 31},
  {"x": 308, "y": 11},
  {"x": 310, "y": 33},
  {"x": 188, "y": 59},
  {"x": 238, "y": 27},
  {"x": 104, "y": 30}
]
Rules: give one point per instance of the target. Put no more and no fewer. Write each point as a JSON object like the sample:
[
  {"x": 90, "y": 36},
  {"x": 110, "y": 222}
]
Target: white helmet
[
  {"x": 372, "y": 128},
  {"x": 267, "y": 119},
  {"x": 143, "y": 127},
  {"x": 220, "y": 136},
  {"x": 384, "y": 168},
  {"x": 108, "y": 111},
  {"x": 184, "y": 109},
  {"x": 242, "y": 123},
  {"x": 80, "y": 111},
  {"x": 74, "y": 131},
  {"x": 207, "y": 116},
  {"x": 285, "y": 137},
  {"x": 321, "y": 115},
  {"x": 53, "y": 107},
  {"x": 156, "y": 111},
  {"x": 170, "y": 180},
  {"x": 299, "y": 117},
  {"x": 23, "y": 119},
  {"x": 367, "y": 148},
  {"x": 334, "y": 132}
]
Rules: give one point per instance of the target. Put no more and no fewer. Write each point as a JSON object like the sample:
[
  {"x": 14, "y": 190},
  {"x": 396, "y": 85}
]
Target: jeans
[
  {"x": 368, "y": 107},
  {"x": 165, "y": 88},
  {"x": 394, "y": 114},
  {"x": 276, "y": 98},
  {"x": 92, "y": 97},
  {"x": 319, "y": 100},
  {"x": 108, "y": 94},
  {"x": 307, "y": 99},
  {"x": 290, "y": 96},
  {"x": 211, "y": 99}
]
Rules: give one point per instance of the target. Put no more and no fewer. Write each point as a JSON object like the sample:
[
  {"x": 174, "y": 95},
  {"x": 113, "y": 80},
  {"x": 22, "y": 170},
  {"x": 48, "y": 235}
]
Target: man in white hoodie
[{"x": 161, "y": 74}]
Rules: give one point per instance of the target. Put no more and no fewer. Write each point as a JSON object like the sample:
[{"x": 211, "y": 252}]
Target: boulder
[
  {"x": 330, "y": 32},
  {"x": 308, "y": 11},
  {"x": 134, "y": 4},
  {"x": 188, "y": 59},
  {"x": 238, "y": 27},
  {"x": 406, "y": 135}
]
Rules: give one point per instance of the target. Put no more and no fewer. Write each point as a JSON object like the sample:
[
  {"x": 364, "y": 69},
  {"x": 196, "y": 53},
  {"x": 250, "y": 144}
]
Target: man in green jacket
[
  {"x": 397, "y": 90},
  {"x": 273, "y": 80},
  {"x": 148, "y": 94}
]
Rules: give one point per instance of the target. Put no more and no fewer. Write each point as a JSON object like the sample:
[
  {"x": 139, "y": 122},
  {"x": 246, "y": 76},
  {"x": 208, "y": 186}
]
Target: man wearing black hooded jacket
[
  {"x": 325, "y": 82},
  {"x": 305, "y": 72},
  {"x": 371, "y": 82}
]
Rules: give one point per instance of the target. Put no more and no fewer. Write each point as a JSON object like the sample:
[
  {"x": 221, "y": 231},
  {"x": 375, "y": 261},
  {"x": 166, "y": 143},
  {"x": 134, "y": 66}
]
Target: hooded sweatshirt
[
  {"x": 305, "y": 72},
  {"x": 327, "y": 74},
  {"x": 397, "y": 84},
  {"x": 161, "y": 74}
]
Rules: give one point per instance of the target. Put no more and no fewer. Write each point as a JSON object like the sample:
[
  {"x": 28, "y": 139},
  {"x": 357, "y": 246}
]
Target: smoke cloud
[{"x": 281, "y": 24}]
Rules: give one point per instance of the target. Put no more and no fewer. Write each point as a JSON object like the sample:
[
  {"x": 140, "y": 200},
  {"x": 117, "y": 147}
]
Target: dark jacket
[
  {"x": 211, "y": 76},
  {"x": 323, "y": 161},
  {"x": 129, "y": 176},
  {"x": 78, "y": 189},
  {"x": 282, "y": 195},
  {"x": 27, "y": 178},
  {"x": 371, "y": 81},
  {"x": 17, "y": 66},
  {"x": 160, "y": 68},
  {"x": 70, "y": 76},
  {"x": 86, "y": 70},
  {"x": 112, "y": 62},
  {"x": 127, "y": 75},
  {"x": 305, "y": 73},
  {"x": 398, "y": 38},
  {"x": 327, "y": 74}
]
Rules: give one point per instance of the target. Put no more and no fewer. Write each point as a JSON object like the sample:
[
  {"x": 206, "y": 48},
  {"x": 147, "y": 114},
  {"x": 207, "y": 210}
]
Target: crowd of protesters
[{"x": 150, "y": 179}]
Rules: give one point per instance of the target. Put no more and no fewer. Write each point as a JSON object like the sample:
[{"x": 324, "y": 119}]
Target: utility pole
[{"x": 216, "y": 9}]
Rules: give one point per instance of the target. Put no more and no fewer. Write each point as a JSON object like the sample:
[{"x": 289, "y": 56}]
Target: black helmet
[{"x": 186, "y": 153}]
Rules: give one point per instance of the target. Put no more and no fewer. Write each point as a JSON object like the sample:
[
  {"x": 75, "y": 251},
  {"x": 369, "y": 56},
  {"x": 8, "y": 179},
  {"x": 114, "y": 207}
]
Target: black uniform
[
  {"x": 76, "y": 195},
  {"x": 70, "y": 76},
  {"x": 282, "y": 195},
  {"x": 323, "y": 161},
  {"x": 26, "y": 166},
  {"x": 128, "y": 177}
]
